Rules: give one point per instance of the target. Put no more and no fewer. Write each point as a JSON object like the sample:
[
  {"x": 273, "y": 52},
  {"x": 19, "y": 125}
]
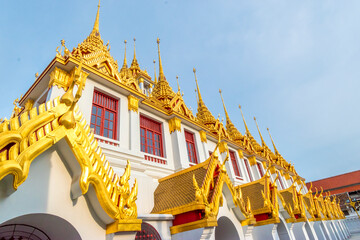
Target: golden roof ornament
[
  {"x": 125, "y": 60},
  {"x": 203, "y": 113},
  {"x": 276, "y": 151},
  {"x": 95, "y": 53},
  {"x": 162, "y": 90},
  {"x": 177, "y": 80},
  {"x": 134, "y": 64},
  {"x": 155, "y": 79},
  {"x": 234, "y": 133}
]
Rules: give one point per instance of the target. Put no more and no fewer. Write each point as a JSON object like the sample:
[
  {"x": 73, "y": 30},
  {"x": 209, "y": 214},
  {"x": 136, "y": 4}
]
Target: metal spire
[
  {"x": 226, "y": 113},
  {"x": 276, "y": 151},
  {"x": 125, "y": 61},
  {"x": 161, "y": 72},
  {"x": 246, "y": 128},
  {"x": 197, "y": 88},
  {"x": 155, "y": 79},
  {"x": 96, "y": 24},
  {"x": 262, "y": 140}
]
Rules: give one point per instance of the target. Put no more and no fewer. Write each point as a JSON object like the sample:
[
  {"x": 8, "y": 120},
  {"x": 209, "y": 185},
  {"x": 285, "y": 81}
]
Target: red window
[
  {"x": 151, "y": 136},
  {"x": 248, "y": 169},
  {"x": 104, "y": 115},
  {"x": 190, "y": 145},
  {"x": 260, "y": 169},
  {"x": 235, "y": 164}
]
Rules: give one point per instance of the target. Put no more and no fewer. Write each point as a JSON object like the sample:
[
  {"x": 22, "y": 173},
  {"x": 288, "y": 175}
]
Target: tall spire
[
  {"x": 197, "y": 88},
  {"x": 134, "y": 64},
  {"x": 262, "y": 140},
  {"x": 246, "y": 128},
  {"x": 226, "y": 113},
  {"x": 125, "y": 61},
  {"x": 177, "y": 80},
  {"x": 134, "y": 49},
  {"x": 155, "y": 79},
  {"x": 96, "y": 24},
  {"x": 276, "y": 151},
  {"x": 161, "y": 72}
]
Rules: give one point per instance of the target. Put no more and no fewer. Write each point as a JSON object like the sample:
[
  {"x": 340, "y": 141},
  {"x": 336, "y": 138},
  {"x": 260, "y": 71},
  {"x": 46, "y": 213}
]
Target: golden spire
[
  {"x": 155, "y": 79},
  {"x": 276, "y": 151},
  {"x": 246, "y": 128},
  {"x": 226, "y": 113},
  {"x": 161, "y": 72},
  {"x": 134, "y": 49},
  {"x": 262, "y": 140},
  {"x": 125, "y": 61},
  {"x": 177, "y": 80},
  {"x": 200, "y": 101},
  {"x": 96, "y": 24},
  {"x": 134, "y": 64}
]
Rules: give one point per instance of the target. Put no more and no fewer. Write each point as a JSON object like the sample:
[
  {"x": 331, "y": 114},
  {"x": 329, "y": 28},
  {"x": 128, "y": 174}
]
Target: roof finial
[
  {"x": 155, "y": 79},
  {"x": 246, "y": 128},
  {"x": 262, "y": 140},
  {"x": 276, "y": 151},
  {"x": 96, "y": 24},
  {"x": 161, "y": 72},
  {"x": 125, "y": 61},
  {"x": 226, "y": 113},
  {"x": 177, "y": 80},
  {"x": 197, "y": 88},
  {"x": 134, "y": 49}
]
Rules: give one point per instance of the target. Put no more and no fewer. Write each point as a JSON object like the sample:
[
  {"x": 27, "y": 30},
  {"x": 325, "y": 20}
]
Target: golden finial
[
  {"x": 96, "y": 24},
  {"x": 197, "y": 87},
  {"x": 177, "y": 80},
  {"x": 36, "y": 75},
  {"x": 155, "y": 79},
  {"x": 276, "y": 151},
  {"x": 226, "y": 113},
  {"x": 262, "y": 140},
  {"x": 161, "y": 72},
  {"x": 246, "y": 128},
  {"x": 125, "y": 61},
  {"x": 134, "y": 49}
]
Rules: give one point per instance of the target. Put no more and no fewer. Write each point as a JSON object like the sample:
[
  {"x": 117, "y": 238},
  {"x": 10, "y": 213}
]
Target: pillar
[{"x": 134, "y": 124}]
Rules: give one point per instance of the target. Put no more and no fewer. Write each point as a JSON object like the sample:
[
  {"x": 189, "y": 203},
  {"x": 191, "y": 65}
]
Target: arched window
[{"x": 147, "y": 232}]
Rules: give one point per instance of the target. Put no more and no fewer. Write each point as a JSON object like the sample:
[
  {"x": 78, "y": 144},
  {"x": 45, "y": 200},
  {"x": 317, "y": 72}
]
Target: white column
[
  {"x": 319, "y": 230},
  {"x": 134, "y": 124},
  {"x": 180, "y": 155}
]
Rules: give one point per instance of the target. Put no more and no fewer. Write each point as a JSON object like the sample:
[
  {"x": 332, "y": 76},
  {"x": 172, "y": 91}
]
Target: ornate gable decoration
[{"x": 96, "y": 54}]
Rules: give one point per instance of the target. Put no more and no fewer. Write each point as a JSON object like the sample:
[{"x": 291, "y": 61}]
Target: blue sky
[{"x": 292, "y": 64}]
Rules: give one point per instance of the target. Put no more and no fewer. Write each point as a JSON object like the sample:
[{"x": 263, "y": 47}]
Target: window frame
[
  {"x": 248, "y": 169},
  {"x": 261, "y": 172},
  {"x": 235, "y": 164},
  {"x": 106, "y": 104},
  {"x": 153, "y": 132},
  {"x": 192, "y": 143}
]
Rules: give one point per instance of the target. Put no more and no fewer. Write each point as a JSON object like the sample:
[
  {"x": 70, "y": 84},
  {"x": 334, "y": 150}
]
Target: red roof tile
[{"x": 338, "y": 184}]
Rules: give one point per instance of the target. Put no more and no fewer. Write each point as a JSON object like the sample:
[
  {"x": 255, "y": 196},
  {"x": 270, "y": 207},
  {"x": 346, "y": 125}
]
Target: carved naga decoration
[{"x": 24, "y": 137}]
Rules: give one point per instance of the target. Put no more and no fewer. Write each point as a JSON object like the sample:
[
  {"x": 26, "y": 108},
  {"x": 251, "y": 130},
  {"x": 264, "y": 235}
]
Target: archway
[
  {"x": 226, "y": 230},
  {"x": 41, "y": 226},
  {"x": 282, "y": 231}
]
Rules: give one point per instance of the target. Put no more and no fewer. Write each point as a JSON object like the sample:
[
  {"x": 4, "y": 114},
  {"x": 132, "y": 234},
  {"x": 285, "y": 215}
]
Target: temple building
[{"x": 98, "y": 150}]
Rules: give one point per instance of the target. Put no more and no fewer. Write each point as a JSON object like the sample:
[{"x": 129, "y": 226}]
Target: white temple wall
[{"x": 47, "y": 190}]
